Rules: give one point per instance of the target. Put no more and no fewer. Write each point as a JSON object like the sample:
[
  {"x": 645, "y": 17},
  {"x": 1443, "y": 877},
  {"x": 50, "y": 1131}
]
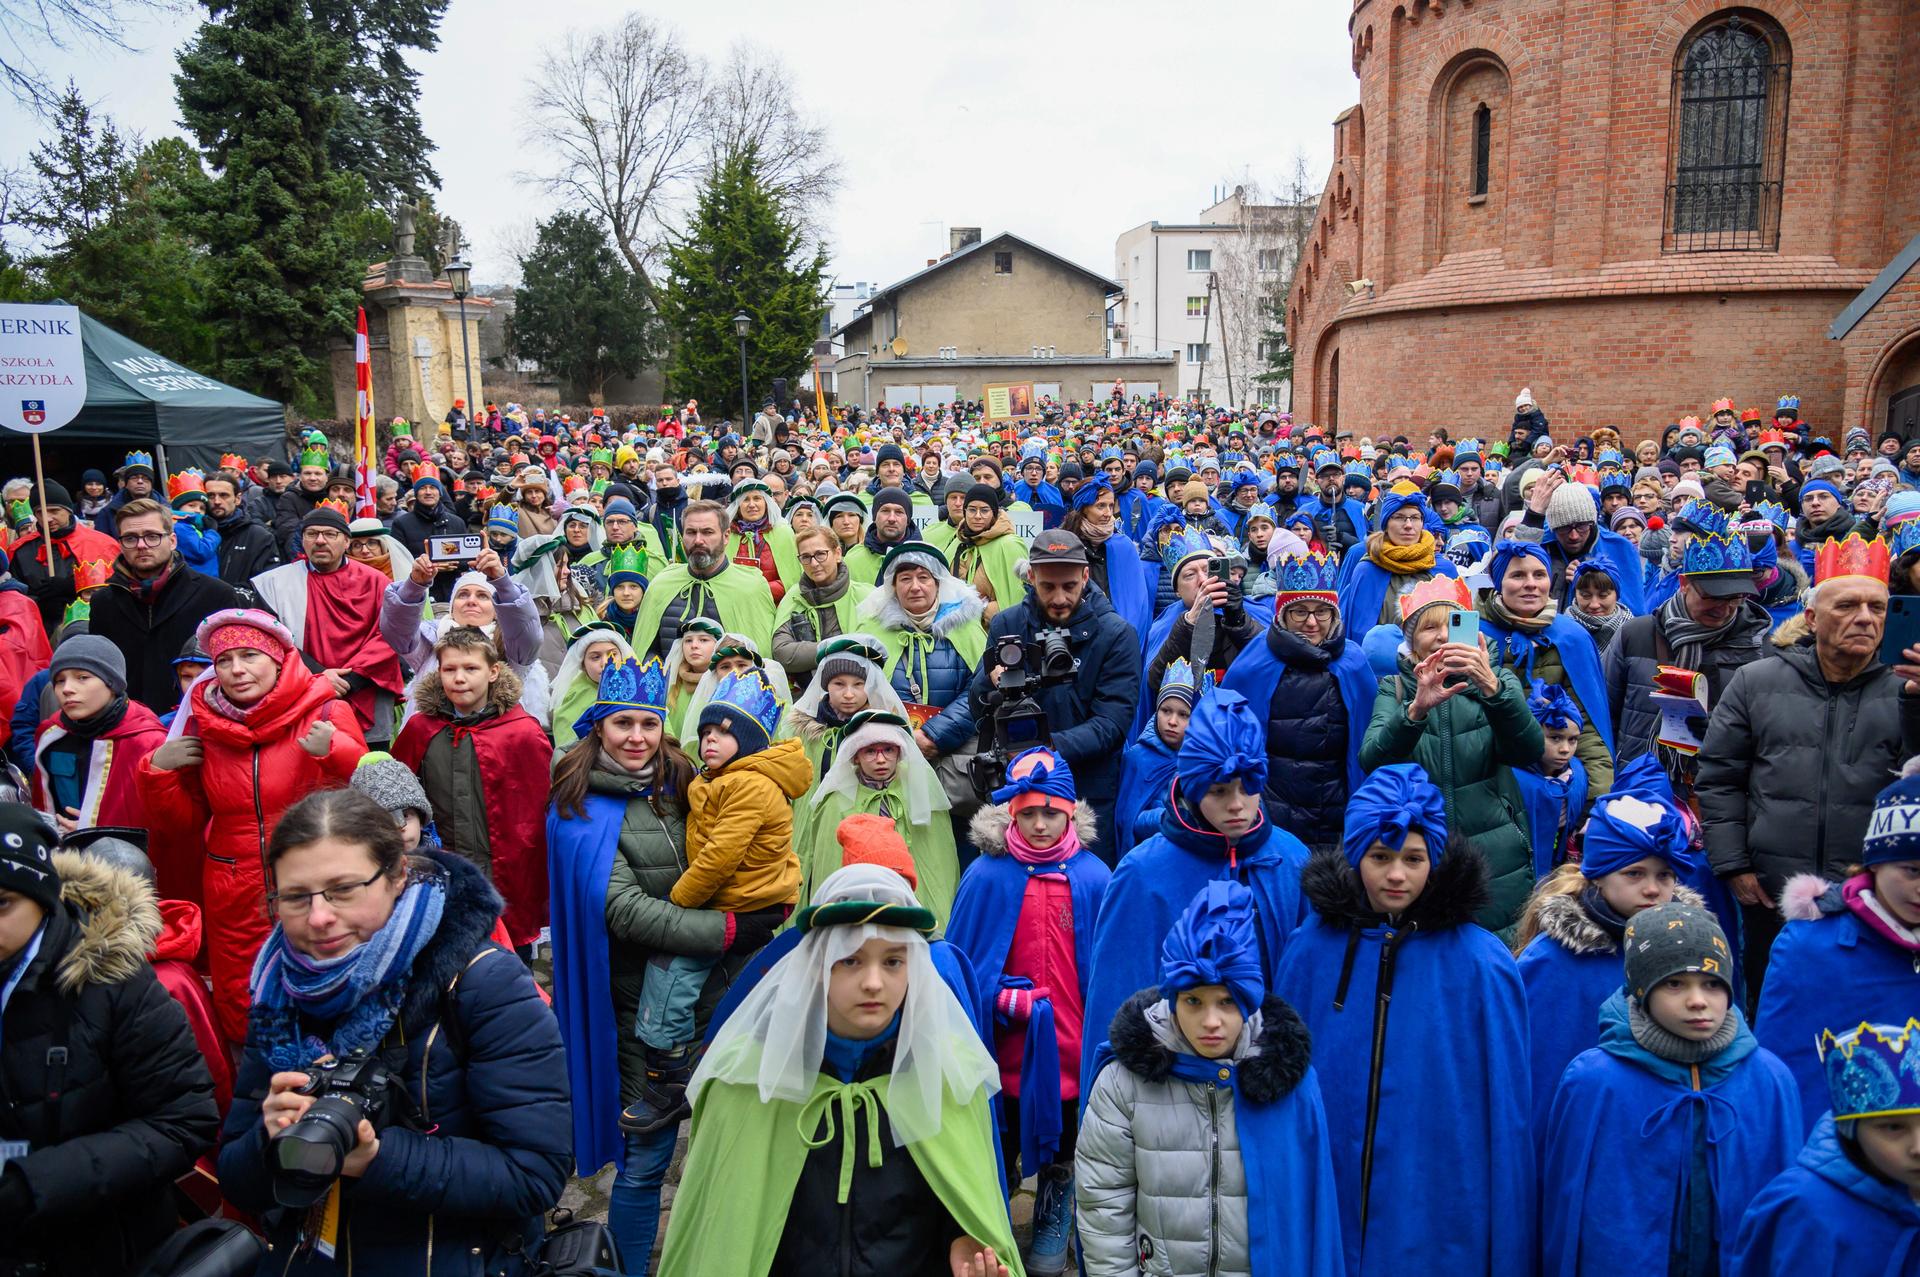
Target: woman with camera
[{"x": 402, "y": 1104}]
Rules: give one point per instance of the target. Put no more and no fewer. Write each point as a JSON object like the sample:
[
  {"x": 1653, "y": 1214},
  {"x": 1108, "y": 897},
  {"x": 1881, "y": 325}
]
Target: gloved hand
[
  {"x": 1235, "y": 610},
  {"x": 1014, "y": 1007},
  {"x": 751, "y": 931}
]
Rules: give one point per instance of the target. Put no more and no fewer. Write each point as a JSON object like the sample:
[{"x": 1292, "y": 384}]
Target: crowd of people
[{"x": 1286, "y": 851}]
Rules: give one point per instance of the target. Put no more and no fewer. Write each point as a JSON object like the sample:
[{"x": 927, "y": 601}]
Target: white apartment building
[{"x": 843, "y": 300}]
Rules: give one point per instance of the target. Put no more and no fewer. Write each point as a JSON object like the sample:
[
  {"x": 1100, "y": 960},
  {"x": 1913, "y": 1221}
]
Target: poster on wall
[{"x": 1010, "y": 401}]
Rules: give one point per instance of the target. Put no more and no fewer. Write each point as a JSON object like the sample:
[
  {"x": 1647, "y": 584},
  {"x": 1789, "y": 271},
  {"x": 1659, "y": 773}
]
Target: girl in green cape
[
  {"x": 687, "y": 663},
  {"x": 987, "y": 554},
  {"x": 847, "y": 678},
  {"x": 850, "y": 1052},
  {"x": 577, "y": 684}
]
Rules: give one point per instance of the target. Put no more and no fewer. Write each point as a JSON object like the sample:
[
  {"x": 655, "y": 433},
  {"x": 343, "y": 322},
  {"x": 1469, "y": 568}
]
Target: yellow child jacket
[{"x": 740, "y": 832}]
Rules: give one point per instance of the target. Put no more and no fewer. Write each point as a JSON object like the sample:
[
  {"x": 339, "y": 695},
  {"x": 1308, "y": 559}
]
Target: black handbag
[
  {"x": 207, "y": 1248},
  {"x": 575, "y": 1248}
]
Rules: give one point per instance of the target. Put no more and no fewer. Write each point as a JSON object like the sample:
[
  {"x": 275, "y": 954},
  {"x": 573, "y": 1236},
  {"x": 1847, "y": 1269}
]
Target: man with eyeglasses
[
  {"x": 820, "y": 608},
  {"x": 153, "y": 603},
  {"x": 1312, "y": 685}
]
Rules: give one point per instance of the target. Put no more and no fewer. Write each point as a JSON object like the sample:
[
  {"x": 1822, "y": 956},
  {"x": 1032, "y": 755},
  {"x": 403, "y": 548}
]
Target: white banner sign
[{"x": 43, "y": 367}]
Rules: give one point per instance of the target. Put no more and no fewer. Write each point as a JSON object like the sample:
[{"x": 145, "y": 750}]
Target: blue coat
[
  {"x": 1453, "y": 1186},
  {"x": 1553, "y": 812},
  {"x": 1829, "y": 973},
  {"x": 1347, "y": 511},
  {"x": 1128, "y": 588},
  {"x": 1569, "y": 971},
  {"x": 1628, "y": 1137},
  {"x": 1363, "y": 592},
  {"x": 1825, "y": 1217},
  {"x": 492, "y": 1085},
  {"x": 1151, "y": 889}
]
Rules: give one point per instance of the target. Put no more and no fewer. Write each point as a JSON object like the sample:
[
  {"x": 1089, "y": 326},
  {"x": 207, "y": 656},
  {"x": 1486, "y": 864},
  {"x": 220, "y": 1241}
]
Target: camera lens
[{"x": 308, "y": 1155}]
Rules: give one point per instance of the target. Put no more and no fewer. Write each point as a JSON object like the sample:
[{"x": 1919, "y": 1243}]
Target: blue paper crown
[
  {"x": 1464, "y": 449},
  {"x": 1310, "y": 574},
  {"x": 1906, "y": 536},
  {"x": 1610, "y": 457},
  {"x": 628, "y": 684},
  {"x": 1179, "y": 678},
  {"x": 139, "y": 458},
  {"x": 749, "y": 693},
  {"x": 1873, "y": 1070},
  {"x": 1358, "y": 470},
  {"x": 1449, "y": 477},
  {"x": 1261, "y": 510},
  {"x": 1719, "y": 552},
  {"x": 1705, "y": 516},
  {"x": 504, "y": 518},
  {"x": 1773, "y": 512},
  {"x": 1791, "y": 402},
  {"x": 1186, "y": 544},
  {"x": 1111, "y": 453}
]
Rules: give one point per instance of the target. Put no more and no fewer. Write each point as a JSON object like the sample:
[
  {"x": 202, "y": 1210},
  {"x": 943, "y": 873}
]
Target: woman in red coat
[{"x": 264, "y": 732}]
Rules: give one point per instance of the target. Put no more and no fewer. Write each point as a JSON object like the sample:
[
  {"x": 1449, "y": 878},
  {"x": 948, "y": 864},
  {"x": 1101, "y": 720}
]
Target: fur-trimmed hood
[
  {"x": 959, "y": 604},
  {"x": 1279, "y": 1059},
  {"x": 989, "y": 827},
  {"x": 118, "y": 921},
  {"x": 1456, "y": 890},
  {"x": 1566, "y": 920},
  {"x": 1811, "y": 897},
  {"x": 432, "y": 698}
]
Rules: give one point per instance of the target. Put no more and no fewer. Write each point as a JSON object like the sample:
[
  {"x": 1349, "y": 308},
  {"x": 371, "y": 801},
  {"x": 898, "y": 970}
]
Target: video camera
[
  {"x": 1017, "y": 722},
  {"x": 305, "y": 1158}
]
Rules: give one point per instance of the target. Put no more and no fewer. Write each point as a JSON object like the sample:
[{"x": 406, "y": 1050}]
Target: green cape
[
  {"x": 931, "y": 844},
  {"x": 863, "y": 565},
  {"x": 997, "y": 558},
  {"x": 842, "y": 607},
  {"x": 786, "y": 559},
  {"x": 969, "y": 640},
  {"x": 746, "y": 604}
]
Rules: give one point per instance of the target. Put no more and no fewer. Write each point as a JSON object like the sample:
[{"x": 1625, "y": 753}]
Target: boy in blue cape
[
  {"x": 1678, "y": 1116},
  {"x": 1850, "y": 1204},
  {"x": 1212, "y": 827},
  {"x": 1555, "y": 788},
  {"x": 1420, "y": 1037},
  {"x": 1146, "y": 770},
  {"x": 1208, "y": 1068}
]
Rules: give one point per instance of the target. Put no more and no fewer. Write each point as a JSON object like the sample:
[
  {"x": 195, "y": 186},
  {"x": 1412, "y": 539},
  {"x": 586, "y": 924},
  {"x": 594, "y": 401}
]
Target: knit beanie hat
[
  {"x": 893, "y": 496},
  {"x": 1671, "y": 939},
  {"x": 1194, "y": 490},
  {"x": 985, "y": 494},
  {"x": 96, "y": 655},
  {"x": 868, "y": 838},
  {"x": 386, "y": 780},
  {"x": 1571, "y": 503},
  {"x": 56, "y": 497},
  {"x": 26, "y": 856},
  {"x": 1893, "y": 828}
]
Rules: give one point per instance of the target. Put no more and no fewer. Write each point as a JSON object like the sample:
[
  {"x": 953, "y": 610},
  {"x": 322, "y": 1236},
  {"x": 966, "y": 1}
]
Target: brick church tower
[{"x": 1633, "y": 207}]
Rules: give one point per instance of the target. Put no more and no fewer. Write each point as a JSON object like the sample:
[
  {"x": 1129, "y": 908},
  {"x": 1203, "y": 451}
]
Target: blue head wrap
[
  {"x": 1507, "y": 551},
  {"x": 1638, "y": 818},
  {"x": 1389, "y": 804},
  {"x": 1048, "y": 776},
  {"x": 1214, "y": 942},
  {"x": 1089, "y": 492},
  {"x": 1225, "y": 739},
  {"x": 1553, "y": 707}
]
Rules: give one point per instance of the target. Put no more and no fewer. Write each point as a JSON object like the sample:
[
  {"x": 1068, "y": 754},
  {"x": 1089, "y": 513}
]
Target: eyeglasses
[
  {"x": 1307, "y": 612},
  {"x": 817, "y": 556},
  {"x": 144, "y": 538},
  {"x": 297, "y": 904}
]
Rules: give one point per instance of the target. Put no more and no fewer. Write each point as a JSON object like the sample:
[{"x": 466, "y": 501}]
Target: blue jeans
[{"x": 633, "y": 1213}]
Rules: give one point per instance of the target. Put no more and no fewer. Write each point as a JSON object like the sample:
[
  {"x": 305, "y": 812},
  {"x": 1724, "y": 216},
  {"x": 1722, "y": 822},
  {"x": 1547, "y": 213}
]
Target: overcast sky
[{"x": 1064, "y": 122}]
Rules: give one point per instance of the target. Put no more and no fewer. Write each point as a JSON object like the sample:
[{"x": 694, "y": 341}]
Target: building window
[
  {"x": 1199, "y": 259},
  {"x": 1272, "y": 397},
  {"x": 1482, "y": 148},
  {"x": 1728, "y": 137},
  {"x": 1003, "y": 263},
  {"x": 1198, "y": 351},
  {"x": 1268, "y": 260},
  {"x": 1196, "y": 307}
]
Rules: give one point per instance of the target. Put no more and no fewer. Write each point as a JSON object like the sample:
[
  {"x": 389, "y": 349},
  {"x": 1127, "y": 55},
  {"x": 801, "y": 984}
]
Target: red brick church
[{"x": 1632, "y": 207}]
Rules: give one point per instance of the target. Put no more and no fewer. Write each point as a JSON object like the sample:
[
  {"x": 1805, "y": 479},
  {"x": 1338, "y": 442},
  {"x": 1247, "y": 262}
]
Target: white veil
[
  {"x": 925, "y": 793},
  {"x": 880, "y": 693}
]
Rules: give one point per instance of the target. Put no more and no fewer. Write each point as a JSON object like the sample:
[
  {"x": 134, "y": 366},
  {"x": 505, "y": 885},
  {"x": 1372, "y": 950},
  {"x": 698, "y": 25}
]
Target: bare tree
[
  {"x": 621, "y": 113},
  {"x": 60, "y": 24},
  {"x": 1253, "y": 269},
  {"x": 751, "y": 99}
]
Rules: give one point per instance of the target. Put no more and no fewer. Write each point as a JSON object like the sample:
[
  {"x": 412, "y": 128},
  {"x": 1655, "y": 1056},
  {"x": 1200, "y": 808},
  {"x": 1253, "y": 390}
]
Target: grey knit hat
[
  {"x": 1670, "y": 939},
  {"x": 386, "y": 780},
  {"x": 94, "y": 654}
]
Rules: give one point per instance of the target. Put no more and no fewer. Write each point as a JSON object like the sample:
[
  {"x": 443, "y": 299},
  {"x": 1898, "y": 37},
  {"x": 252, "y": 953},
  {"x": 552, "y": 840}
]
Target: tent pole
[{"x": 160, "y": 483}]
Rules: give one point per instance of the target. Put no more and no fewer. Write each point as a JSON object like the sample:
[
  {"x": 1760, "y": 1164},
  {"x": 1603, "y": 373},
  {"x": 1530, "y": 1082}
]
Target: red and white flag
[{"x": 364, "y": 469}]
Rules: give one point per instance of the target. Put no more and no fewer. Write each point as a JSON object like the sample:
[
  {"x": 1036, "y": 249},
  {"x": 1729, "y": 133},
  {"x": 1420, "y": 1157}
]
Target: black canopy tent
[{"x": 139, "y": 399}]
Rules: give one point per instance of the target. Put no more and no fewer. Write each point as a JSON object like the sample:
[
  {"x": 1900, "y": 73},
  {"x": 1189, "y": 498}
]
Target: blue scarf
[{"x": 359, "y": 993}]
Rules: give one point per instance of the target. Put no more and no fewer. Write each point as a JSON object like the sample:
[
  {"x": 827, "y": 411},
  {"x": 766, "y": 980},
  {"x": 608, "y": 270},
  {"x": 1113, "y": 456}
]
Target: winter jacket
[
  {"x": 1828, "y": 1215},
  {"x": 108, "y": 770},
  {"x": 740, "y": 832},
  {"x": 289, "y": 508},
  {"x": 151, "y": 632},
  {"x": 53, "y": 589},
  {"x": 1469, "y": 745},
  {"x": 931, "y": 673},
  {"x": 412, "y": 528},
  {"x": 250, "y": 773},
  {"x": 247, "y": 549},
  {"x": 24, "y": 649},
  {"x": 479, "y": 1055},
  {"x": 1640, "y": 647},
  {"x": 408, "y": 631},
  {"x": 1483, "y": 500},
  {"x": 1231, "y": 632},
  {"x": 198, "y": 542},
  {"x": 1306, "y": 792},
  {"x": 1791, "y": 765},
  {"x": 127, "y": 1110},
  {"x": 1157, "y": 1160}
]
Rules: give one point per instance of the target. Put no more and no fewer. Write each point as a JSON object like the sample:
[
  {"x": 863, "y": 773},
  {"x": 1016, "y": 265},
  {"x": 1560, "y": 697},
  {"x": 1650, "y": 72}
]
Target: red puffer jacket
[{"x": 251, "y": 773}]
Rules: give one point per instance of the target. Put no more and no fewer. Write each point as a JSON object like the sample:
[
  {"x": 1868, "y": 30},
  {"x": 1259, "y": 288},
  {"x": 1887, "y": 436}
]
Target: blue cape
[
  {"x": 1565, "y": 991},
  {"x": 579, "y": 859},
  {"x": 1578, "y": 658},
  {"x": 1355, "y": 510},
  {"x": 1546, "y": 805},
  {"x": 1146, "y": 770},
  {"x": 1624, "y": 557},
  {"x": 1134, "y": 507},
  {"x": 1152, "y": 887},
  {"x": 1453, "y": 1186},
  {"x": 1829, "y": 974},
  {"x": 1127, "y": 587},
  {"x": 1255, "y": 674},
  {"x": 1626, "y": 1132},
  {"x": 1363, "y": 592},
  {"x": 1825, "y": 1217}
]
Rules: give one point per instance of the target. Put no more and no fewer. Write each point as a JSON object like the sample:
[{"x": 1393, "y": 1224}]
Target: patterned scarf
[
  {"x": 358, "y": 993},
  {"x": 1524, "y": 635}
]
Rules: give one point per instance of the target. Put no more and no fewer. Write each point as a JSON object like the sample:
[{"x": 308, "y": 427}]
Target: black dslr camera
[
  {"x": 1017, "y": 722},
  {"x": 305, "y": 1158}
]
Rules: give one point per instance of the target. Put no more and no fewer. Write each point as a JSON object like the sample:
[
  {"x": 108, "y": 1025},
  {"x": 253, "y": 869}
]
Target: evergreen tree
[
  {"x": 79, "y": 170},
  {"x": 581, "y": 314},
  {"x": 1279, "y": 366},
  {"x": 740, "y": 253},
  {"x": 260, "y": 88},
  {"x": 378, "y": 135}
]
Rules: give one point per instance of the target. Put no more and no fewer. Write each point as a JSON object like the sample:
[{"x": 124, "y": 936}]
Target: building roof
[
  {"x": 1870, "y": 296},
  {"x": 1111, "y": 286}
]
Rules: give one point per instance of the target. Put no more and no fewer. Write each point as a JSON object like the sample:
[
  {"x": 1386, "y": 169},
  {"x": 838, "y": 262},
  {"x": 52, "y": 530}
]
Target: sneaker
[{"x": 1052, "y": 1222}]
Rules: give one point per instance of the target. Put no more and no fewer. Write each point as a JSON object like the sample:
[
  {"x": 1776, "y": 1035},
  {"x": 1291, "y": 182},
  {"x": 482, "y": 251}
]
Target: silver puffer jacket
[{"x": 1160, "y": 1186}]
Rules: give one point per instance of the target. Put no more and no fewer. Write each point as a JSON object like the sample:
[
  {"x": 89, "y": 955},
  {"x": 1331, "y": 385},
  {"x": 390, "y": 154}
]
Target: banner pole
[{"x": 40, "y": 490}]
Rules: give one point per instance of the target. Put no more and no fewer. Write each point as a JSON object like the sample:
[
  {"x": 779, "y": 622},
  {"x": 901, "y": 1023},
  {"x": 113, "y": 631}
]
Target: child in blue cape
[
  {"x": 1146, "y": 770},
  {"x": 1555, "y": 788},
  {"x": 1208, "y": 1069},
  {"x": 1850, "y": 1204},
  {"x": 1660, "y": 1137},
  {"x": 1212, "y": 827},
  {"x": 1419, "y": 1032},
  {"x": 1634, "y": 850},
  {"x": 1024, "y": 915}
]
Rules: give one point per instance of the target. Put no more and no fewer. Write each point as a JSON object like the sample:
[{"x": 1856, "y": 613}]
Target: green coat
[{"x": 1469, "y": 745}]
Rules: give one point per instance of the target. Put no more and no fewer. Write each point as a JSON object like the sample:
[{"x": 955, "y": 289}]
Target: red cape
[
  {"x": 173, "y": 954},
  {"x": 113, "y": 799},
  {"x": 24, "y": 651},
  {"x": 343, "y": 631}
]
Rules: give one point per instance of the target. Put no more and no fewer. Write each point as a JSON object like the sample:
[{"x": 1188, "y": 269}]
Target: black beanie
[
  {"x": 26, "y": 856},
  {"x": 893, "y": 496},
  {"x": 57, "y": 497},
  {"x": 324, "y": 516},
  {"x": 984, "y": 492},
  {"x": 1670, "y": 939},
  {"x": 890, "y": 452}
]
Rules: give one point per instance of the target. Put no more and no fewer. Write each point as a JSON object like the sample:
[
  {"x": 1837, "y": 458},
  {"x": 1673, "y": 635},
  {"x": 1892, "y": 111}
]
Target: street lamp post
[
  {"x": 741, "y": 323},
  {"x": 459, "y": 273}
]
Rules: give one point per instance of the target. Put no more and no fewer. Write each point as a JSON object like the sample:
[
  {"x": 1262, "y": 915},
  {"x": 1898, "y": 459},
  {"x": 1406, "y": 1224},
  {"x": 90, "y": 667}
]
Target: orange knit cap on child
[{"x": 870, "y": 839}]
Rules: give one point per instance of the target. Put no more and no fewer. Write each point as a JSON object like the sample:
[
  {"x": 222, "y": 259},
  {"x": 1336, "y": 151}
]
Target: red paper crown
[
  {"x": 233, "y": 461},
  {"x": 1723, "y": 405},
  {"x": 179, "y": 485},
  {"x": 91, "y": 573},
  {"x": 1450, "y": 590},
  {"x": 1854, "y": 556},
  {"x": 341, "y": 506}
]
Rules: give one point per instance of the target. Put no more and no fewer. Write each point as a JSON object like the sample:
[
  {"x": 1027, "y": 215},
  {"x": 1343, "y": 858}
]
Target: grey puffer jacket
[{"x": 1160, "y": 1186}]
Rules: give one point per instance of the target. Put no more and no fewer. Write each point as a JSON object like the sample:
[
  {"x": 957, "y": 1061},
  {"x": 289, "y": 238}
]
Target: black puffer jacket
[
  {"x": 135, "y": 1103},
  {"x": 289, "y": 508},
  {"x": 1791, "y": 765},
  {"x": 1306, "y": 792},
  {"x": 1640, "y": 648},
  {"x": 412, "y": 528},
  {"x": 247, "y": 548}
]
